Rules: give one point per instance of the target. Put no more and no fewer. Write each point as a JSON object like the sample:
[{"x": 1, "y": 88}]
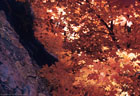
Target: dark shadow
[{"x": 21, "y": 19}]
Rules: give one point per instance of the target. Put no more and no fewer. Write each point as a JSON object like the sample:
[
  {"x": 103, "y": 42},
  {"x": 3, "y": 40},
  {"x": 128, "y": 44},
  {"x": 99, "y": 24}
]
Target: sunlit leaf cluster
[{"x": 96, "y": 42}]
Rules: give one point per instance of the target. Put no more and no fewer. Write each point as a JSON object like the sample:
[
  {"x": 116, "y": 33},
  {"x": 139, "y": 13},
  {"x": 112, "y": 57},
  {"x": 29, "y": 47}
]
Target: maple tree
[{"x": 96, "y": 42}]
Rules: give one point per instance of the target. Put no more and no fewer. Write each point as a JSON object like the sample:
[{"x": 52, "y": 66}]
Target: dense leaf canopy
[{"x": 97, "y": 43}]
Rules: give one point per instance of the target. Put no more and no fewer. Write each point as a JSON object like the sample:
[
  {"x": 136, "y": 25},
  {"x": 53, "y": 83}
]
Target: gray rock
[
  {"x": 41, "y": 94},
  {"x": 18, "y": 72}
]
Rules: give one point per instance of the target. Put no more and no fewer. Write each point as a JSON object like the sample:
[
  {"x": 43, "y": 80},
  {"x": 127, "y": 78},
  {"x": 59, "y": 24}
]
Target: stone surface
[
  {"x": 18, "y": 72},
  {"x": 20, "y": 16}
]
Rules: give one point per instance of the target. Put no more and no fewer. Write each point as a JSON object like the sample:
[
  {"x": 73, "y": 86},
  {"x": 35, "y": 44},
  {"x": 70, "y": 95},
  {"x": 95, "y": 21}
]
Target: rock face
[
  {"x": 20, "y": 16},
  {"x": 18, "y": 72}
]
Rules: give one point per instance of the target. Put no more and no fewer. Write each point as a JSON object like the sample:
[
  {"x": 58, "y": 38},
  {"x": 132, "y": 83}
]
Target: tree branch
[{"x": 110, "y": 29}]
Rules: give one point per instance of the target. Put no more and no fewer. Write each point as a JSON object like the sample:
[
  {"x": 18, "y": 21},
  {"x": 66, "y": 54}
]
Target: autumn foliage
[{"x": 96, "y": 42}]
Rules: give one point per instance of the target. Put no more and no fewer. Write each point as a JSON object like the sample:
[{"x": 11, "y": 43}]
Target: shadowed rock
[
  {"x": 18, "y": 72},
  {"x": 20, "y": 16}
]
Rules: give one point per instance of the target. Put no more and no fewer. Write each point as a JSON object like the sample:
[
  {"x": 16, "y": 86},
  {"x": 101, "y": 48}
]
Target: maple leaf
[{"x": 93, "y": 40}]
